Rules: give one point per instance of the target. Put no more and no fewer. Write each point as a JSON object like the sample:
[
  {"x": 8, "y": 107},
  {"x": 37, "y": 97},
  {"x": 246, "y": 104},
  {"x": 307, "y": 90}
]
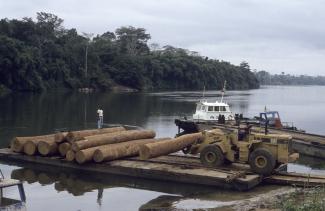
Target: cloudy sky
[{"x": 274, "y": 35}]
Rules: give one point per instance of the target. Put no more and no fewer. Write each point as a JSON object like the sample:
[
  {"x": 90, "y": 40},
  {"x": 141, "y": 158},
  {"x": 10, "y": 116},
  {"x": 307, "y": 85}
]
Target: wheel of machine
[
  {"x": 262, "y": 161},
  {"x": 212, "y": 156}
]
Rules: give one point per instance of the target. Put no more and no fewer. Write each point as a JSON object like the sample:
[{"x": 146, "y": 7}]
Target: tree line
[
  {"x": 266, "y": 78},
  {"x": 42, "y": 54}
]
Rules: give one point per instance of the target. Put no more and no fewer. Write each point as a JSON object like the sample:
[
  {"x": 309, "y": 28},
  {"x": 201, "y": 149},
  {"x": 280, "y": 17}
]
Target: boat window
[
  {"x": 203, "y": 108},
  {"x": 216, "y": 108},
  {"x": 222, "y": 108},
  {"x": 210, "y": 108}
]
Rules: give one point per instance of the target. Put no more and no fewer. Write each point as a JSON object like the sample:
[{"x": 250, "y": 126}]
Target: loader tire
[
  {"x": 262, "y": 161},
  {"x": 212, "y": 156}
]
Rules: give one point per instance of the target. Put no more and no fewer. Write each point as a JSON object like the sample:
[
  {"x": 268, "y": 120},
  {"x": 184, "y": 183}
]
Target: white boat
[{"x": 212, "y": 111}]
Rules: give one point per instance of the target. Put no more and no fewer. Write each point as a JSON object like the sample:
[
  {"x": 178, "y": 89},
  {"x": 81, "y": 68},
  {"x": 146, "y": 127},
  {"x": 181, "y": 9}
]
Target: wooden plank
[{"x": 148, "y": 170}]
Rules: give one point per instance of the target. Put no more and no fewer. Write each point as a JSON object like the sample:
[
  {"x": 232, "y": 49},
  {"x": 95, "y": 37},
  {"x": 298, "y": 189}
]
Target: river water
[{"x": 57, "y": 189}]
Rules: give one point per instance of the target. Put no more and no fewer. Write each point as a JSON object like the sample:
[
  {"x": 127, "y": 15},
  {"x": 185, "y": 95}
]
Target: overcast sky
[{"x": 273, "y": 35}]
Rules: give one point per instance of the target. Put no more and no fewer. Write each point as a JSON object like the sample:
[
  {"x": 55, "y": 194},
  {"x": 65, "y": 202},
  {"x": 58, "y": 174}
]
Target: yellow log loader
[{"x": 263, "y": 152}]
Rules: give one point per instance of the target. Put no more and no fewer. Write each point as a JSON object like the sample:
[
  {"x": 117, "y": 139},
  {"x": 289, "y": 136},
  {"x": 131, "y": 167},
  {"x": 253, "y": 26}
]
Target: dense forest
[
  {"x": 42, "y": 55},
  {"x": 266, "y": 78}
]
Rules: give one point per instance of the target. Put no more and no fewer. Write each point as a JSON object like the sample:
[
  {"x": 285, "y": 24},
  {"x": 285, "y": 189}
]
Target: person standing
[{"x": 100, "y": 118}]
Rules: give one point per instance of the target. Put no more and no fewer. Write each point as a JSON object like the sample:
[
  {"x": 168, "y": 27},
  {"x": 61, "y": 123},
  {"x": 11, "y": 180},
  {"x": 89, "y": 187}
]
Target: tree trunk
[
  {"x": 152, "y": 150},
  {"x": 70, "y": 155},
  {"x": 60, "y": 137},
  {"x": 64, "y": 148},
  {"x": 17, "y": 143},
  {"x": 47, "y": 148},
  {"x": 79, "y": 135},
  {"x": 120, "y": 150},
  {"x": 30, "y": 147},
  {"x": 112, "y": 138}
]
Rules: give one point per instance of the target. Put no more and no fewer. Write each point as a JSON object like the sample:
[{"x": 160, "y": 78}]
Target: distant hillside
[
  {"x": 266, "y": 78},
  {"x": 42, "y": 54}
]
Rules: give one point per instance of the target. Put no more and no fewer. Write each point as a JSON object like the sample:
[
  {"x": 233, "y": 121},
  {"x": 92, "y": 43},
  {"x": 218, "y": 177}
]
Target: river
[{"x": 55, "y": 189}]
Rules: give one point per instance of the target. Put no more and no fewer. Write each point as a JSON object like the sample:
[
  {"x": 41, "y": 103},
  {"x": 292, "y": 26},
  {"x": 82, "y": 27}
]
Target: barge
[
  {"x": 168, "y": 169},
  {"x": 172, "y": 168}
]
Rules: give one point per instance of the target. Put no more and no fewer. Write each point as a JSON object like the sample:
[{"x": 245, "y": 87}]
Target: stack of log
[{"x": 102, "y": 144}]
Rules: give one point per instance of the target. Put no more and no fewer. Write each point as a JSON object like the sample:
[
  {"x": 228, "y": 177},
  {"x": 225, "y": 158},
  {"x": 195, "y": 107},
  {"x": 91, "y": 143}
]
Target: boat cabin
[
  {"x": 272, "y": 117},
  {"x": 211, "y": 111}
]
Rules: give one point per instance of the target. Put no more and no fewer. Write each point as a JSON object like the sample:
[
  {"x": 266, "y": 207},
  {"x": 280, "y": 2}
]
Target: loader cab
[{"x": 244, "y": 133}]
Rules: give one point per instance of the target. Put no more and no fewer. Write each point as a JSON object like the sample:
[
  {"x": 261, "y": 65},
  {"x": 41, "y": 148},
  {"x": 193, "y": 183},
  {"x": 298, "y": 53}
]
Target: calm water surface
[{"x": 57, "y": 189}]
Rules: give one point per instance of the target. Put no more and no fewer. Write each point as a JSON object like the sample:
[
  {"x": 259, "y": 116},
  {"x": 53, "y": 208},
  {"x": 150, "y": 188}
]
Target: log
[
  {"x": 70, "y": 155},
  {"x": 79, "y": 135},
  {"x": 86, "y": 155},
  {"x": 60, "y": 137},
  {"x": 64, "y": 148},
  {"x": 47, "y": 148},
  {"x": 112, "y": 138},
  {"x": 30, "y": 147},
  {"x": 17, "y": 143},
  {"x": 120, "y": 150},
  {"x": 152, "y": 150}
]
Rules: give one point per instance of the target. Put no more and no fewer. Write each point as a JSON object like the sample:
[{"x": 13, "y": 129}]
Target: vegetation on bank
[
  {"x": 266, "y": 78},
  {"x": 42, "y": 54},
  {"x": 306, "y": 199}
]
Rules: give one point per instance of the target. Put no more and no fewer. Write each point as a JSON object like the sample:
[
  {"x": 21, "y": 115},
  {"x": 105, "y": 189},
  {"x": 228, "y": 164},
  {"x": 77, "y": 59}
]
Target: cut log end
[
  {"x": 64, "y": 148},
  {"x": 80, "y": 157},
  {"x": 60, "y": 137},
  {"x": 30, "y": 148},
  {"x": 144, "y": 152},
  {"x": 75, "y": 147},
  {"x": 47, "y": 148},
  {"x": 16, "y": 145},
  {"x": 98, "y": 156},
  {"x": 69, "y": 137},
  {"x": 43, "y": 148},
  {"x": 70, "y": 155}
]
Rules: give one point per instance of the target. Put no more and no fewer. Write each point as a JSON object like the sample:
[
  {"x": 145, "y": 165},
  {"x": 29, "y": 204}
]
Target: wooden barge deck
[{"x": 165, "y": 168}]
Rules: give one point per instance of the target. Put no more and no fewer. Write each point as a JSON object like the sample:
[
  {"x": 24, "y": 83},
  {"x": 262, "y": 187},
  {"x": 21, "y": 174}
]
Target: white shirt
[{"x": 100, "y": 112}]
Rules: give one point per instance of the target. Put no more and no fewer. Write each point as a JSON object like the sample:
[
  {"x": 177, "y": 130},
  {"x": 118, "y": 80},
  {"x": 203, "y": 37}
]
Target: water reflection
[{"x": 78, "y": 184}]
